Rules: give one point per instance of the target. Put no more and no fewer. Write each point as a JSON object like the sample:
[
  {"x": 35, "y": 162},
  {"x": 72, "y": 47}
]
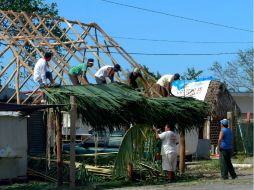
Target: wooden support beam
[
  {"x": 73, "y": 140},
  {"x": 59, "y": 157},
  {"x": 17, "y": 81}
]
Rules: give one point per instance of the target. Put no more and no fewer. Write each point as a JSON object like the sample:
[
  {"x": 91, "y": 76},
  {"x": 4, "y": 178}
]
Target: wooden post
[
  {"x": 49, "y": 128},
  {"x": 72, "y": 140},
  {"x": 17, "y": 81},
  {"x": 231, "y": 118},
  {"x": 59, "y": 158},
  {"x": 182, "y": 152}
]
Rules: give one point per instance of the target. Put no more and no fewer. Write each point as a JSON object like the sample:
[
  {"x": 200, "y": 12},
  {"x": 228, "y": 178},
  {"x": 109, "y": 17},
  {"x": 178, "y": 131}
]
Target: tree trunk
[{"x": 182, "y": 152}]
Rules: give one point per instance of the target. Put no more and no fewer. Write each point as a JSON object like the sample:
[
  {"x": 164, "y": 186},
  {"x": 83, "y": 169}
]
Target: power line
[
  {"x": 157, "y": 54},
  {"x": 172, "y": 54},
  {"x": 181, "y": 41},
  {"x": 177, "y": 16}
]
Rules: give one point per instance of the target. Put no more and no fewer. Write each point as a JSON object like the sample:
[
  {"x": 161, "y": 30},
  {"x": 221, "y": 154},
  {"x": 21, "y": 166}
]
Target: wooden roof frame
[{"x": 19, "y": 30}]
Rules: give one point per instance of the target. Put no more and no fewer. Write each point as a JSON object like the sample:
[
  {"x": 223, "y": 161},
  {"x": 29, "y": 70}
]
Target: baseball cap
[
  {"x": 118, "y": 67},
  {"x": 224, "y": 122},
  {"x": 90, "y": 60},
  {"x": 176, "y": 76}
]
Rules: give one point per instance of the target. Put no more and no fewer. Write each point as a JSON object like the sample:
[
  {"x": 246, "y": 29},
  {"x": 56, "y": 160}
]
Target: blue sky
[{"x": 120, "y": 21}]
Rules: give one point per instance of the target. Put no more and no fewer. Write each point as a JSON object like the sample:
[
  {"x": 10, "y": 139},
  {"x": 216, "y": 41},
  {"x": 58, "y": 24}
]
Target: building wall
[
  {"x": 13, "y": 134},
  {"x": 245, "y": 102}
]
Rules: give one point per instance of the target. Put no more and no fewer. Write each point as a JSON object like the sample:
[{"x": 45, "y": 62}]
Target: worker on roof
[
  {"x": 80, "y": 69},
  {"x": 164, "y": 84},
  {"x": 136, "y": 73},
  {"x": 41, "y": 73},
  {"x": 106, "y": 71}
]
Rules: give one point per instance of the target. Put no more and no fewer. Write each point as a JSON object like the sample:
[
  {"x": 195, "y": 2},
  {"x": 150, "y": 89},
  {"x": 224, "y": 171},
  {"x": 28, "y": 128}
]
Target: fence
[{"x": 244, "y": 137}]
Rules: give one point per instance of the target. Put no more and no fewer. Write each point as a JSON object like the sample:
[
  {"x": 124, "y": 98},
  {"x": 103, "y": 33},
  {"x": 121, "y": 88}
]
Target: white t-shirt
[
  {"x": 168, "y": 139},
  {"x": 102, "y": 72},
  {"x": 164, "y": 79},
  {"x": 40, "y": 70}
]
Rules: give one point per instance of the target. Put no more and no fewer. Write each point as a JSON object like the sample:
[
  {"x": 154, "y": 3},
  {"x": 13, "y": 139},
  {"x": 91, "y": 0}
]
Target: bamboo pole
[
  {"x": 73, "y": 140},
  {"x": 49, "y": 128},
  {"x": 17, "y": 81},
  {"x": 59, "y": 149},
  {"x": 182, "y": 152},
  {"x": 98, "y": 52}
]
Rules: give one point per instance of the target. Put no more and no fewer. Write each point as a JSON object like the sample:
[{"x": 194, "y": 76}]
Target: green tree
[
  {"x": 29, "y": 6},
  {"x": 237, "y": 74},
  {"x": 191, "y": 74}
]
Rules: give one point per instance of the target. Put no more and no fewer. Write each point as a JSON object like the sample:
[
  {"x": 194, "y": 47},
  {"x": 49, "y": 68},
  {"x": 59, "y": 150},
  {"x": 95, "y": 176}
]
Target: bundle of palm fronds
[{"x": 116, "y": 104}]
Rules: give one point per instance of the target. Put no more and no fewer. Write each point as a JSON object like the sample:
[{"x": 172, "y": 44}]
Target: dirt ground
[{"x": 209, "y": 181}]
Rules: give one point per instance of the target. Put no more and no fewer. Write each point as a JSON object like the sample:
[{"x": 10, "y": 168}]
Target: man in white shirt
[
  {"x": 41, "y": 73},
  {"x": 164, "y": 84},
  {"x": 168, "y": 150},
  {"x": 106, "y": 71}
]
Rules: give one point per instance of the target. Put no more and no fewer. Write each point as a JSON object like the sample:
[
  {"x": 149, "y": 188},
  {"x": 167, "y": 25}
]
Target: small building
[
  {"x": 221, "y": 102},
  {"x": 245, "y": 102},
  {"x": 14, "y": 139},
  {"x": 13, "y": 146}
]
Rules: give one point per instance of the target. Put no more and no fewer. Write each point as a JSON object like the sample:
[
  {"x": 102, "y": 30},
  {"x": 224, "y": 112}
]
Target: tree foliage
[
  {"x": 237, "y": 74},
  {"x": 191, "y": 74},
  {"x": 29, "y": 6}
]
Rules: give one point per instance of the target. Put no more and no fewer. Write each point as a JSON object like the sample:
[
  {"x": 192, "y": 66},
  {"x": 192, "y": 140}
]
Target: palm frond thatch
[{"x": 116, "y": 104}]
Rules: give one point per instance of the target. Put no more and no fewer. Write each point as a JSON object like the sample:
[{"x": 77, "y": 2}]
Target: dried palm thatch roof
[
  {"x": 220, "y": 100},
  {"x": 116, "y": 104}
]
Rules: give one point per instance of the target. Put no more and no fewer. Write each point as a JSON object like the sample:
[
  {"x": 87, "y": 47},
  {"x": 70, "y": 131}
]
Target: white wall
[
  {"x": 245, "y": 103},
  {"x": 13, "y": 134}
]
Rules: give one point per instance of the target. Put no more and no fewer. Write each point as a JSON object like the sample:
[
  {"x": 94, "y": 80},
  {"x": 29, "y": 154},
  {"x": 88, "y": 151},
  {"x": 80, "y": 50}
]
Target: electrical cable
[{"x": 177, "y": 16}]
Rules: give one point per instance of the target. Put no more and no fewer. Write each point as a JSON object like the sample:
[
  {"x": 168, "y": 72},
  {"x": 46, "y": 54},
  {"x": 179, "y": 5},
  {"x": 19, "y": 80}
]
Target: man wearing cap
[
  {"x": 133, "y": 77},
  {"x": 164, "y": 84},
  {"x": 106, "y": 71},
  {"x": 80, "y": 69},
  {"x": 225, "y": 148}
]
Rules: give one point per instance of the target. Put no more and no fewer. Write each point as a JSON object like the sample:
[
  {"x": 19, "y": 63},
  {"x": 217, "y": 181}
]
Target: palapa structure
[
  {"x": 220, "y": 102},
  {"x": 24, "y": 38}
]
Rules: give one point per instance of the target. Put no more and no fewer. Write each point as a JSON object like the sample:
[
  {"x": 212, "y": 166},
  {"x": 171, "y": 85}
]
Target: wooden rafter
[{"x": 28, "y": 37}]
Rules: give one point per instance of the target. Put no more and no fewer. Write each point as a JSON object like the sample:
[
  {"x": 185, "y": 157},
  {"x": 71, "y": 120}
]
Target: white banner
[{"x": 191, "y": 88}]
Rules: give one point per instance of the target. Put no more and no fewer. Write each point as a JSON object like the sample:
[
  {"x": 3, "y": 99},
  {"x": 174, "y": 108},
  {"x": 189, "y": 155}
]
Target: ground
[
  {"x": 243, "y": 182},
  {"x": 199, "y": 175}
]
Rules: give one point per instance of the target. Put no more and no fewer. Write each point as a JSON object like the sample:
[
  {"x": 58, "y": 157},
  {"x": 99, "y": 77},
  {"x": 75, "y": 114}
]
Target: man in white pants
[{"x": 168, "y": 150}]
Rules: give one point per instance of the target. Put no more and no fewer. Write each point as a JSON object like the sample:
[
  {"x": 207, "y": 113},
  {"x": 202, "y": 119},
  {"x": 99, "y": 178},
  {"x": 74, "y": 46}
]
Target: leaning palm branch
[{"x": 136, "y": 142}]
